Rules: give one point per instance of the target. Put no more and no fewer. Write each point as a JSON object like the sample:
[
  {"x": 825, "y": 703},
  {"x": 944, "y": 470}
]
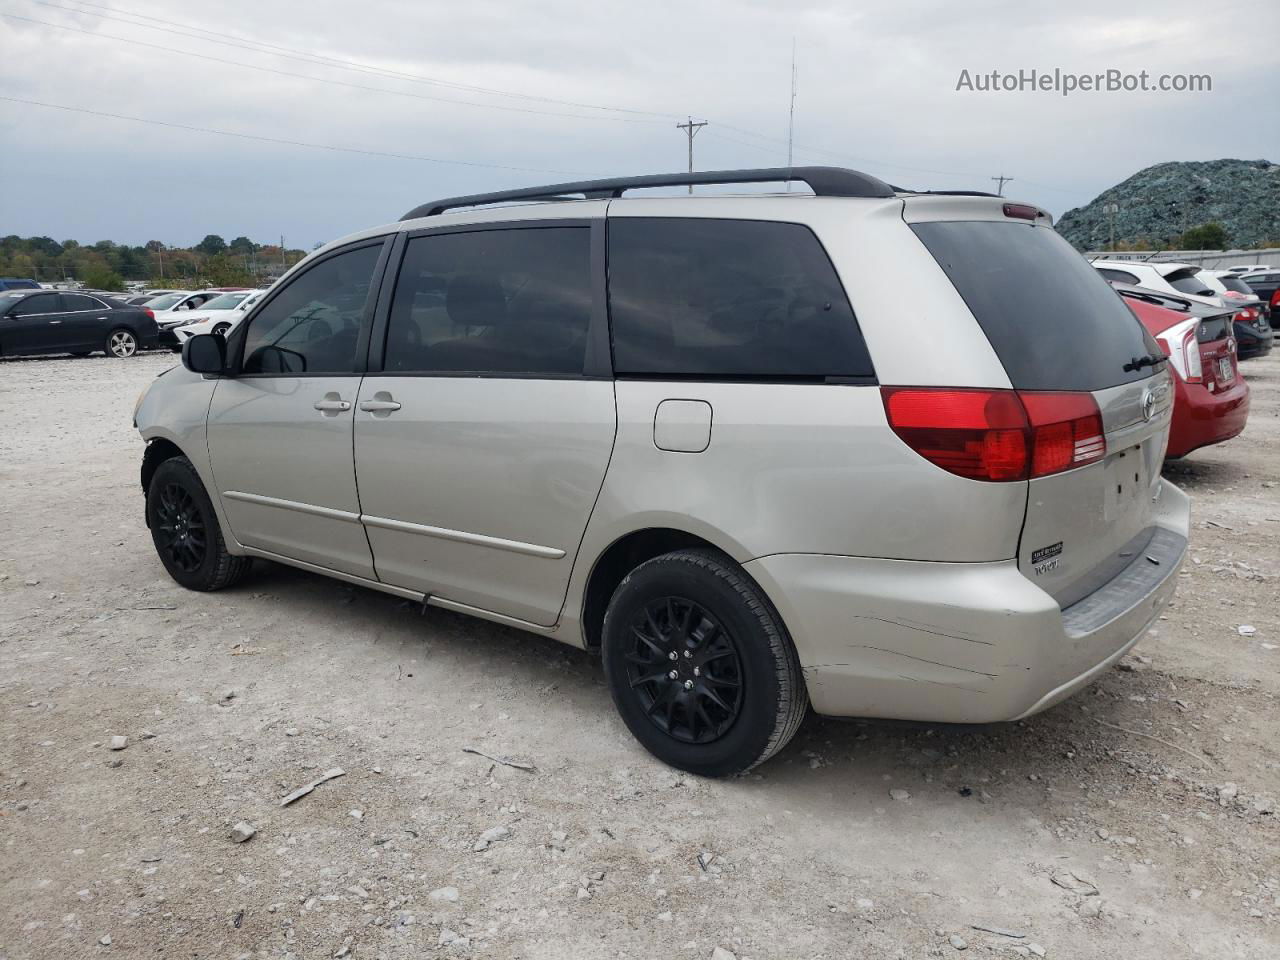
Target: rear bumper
[
  {"x": 1201, "y": 418},
  {"x": 962, "y": 642}
]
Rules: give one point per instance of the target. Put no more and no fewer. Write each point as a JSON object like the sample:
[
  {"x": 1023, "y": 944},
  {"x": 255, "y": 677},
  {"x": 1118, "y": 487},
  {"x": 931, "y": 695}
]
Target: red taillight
[
  {"x": 997, "y": 435},
  {"x": 149, "y": 313},
  {"x": 1183, "y": 350},
  {"x": 1066, "y": 431},
  {"x": 1275, "y": 299}
]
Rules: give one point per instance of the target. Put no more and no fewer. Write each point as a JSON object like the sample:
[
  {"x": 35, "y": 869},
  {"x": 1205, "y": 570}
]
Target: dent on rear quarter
[{"x": 175, "y": 407}]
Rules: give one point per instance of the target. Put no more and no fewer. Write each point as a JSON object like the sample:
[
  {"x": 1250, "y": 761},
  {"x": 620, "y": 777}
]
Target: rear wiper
[{"x": 1150, "y": 360}]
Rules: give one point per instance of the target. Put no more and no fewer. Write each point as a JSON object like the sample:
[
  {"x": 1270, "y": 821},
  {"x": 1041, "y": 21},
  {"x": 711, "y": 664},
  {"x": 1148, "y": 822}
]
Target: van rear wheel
[{"x": 700, "y": 665}]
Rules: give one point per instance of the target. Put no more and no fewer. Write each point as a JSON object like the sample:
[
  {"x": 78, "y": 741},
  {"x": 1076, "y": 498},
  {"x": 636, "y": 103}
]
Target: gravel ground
[{"x": 1138, "y": 819}]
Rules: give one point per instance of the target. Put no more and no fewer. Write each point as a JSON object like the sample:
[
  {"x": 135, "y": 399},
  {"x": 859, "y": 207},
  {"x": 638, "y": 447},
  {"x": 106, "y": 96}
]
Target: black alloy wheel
[
  {"x": 183, "y": 537},
  {"x": 686, "y": 669}
]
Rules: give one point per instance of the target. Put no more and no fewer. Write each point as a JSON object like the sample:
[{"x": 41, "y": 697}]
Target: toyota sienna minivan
[{"x": 703, "y": 437}]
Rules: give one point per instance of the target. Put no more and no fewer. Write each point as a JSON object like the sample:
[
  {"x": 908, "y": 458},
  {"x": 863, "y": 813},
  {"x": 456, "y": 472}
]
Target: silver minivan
[{"x": 889, "y": 453}]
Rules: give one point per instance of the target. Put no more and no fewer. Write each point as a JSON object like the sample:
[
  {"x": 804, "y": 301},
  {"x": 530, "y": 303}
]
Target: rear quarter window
[
  {"x": 1052, "y": 319},
  {"x": 728, "y": 299}
]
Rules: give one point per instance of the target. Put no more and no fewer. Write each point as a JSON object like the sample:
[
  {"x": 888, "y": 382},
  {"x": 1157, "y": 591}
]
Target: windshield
[
  {"x": 165, "y": 302},
  {"x": 228, "y": 301}
]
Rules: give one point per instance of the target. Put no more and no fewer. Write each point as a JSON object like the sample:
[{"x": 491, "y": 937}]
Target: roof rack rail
[{"x": 823, "y": 181}]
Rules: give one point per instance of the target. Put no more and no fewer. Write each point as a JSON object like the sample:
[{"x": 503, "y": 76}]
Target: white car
[
  {"x": 1240, "y": 271},
  {"x": 172, "y": 310},
  {"x": 219, "y": 315},
  {"x": 1228, "y": 285},
  {"x": 1181, "y": 279}
]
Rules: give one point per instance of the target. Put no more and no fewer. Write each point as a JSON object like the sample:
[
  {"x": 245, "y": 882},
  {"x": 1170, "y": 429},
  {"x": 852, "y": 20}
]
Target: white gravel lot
[{"x": 231, "y": 700}]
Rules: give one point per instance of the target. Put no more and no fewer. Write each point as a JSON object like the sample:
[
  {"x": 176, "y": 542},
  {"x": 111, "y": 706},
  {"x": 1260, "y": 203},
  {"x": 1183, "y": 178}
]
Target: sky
[{"x": 514, "y": 94}]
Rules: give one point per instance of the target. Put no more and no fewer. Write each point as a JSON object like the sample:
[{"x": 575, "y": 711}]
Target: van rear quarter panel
[{"x": 796, "y": 468}]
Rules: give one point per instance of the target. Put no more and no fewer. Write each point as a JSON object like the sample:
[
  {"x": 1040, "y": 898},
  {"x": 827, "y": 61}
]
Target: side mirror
[{"x": 205, "y": 353}]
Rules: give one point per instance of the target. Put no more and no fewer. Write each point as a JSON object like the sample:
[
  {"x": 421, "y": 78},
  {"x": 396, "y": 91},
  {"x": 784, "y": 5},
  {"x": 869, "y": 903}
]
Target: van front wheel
[{"x": 700, "y": 665}]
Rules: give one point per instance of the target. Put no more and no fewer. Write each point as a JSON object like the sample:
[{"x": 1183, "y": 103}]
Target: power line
[
  {"x": 338, "y": 83},
  {"x": 289, "y": 143},
  {"x": 261, "y": 46}
]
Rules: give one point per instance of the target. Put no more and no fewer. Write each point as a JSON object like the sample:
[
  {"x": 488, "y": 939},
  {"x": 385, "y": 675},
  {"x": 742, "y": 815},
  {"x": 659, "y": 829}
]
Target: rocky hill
[{"x": 1159, "y": 203}]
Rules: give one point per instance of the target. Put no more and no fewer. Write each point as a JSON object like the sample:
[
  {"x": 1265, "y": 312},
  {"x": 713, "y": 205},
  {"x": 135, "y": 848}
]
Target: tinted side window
[
  {"x": 78, "y": 301},
  {"x": 728, "y": 299},
  {"x": 40, "y": 303},
  {"x": 311, "y": 326},
  {"x": 1053, "y": 321},
  {"x": 492, "y": 301}
]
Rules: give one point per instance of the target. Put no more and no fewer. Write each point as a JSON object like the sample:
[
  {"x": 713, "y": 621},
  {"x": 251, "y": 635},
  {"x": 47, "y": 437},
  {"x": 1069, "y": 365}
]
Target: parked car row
[
  {"x": 39, "y": 321},
  {"x": 1215, "y": 288}
]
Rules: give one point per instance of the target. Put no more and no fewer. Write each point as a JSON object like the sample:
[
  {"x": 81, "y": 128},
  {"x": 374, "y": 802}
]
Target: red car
[{"x": 1211, "y": 399}]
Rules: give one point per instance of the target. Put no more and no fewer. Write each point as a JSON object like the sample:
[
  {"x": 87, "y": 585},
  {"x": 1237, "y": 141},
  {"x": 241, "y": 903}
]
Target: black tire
[
  {"x": 704, "y": 608},
  {"x": 121, "y": 342},
  {"x": 185, "y": 531}
]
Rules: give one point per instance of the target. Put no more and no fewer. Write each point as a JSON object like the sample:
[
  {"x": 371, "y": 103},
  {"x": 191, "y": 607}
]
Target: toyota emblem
[{"x": 1148, "y": 405}]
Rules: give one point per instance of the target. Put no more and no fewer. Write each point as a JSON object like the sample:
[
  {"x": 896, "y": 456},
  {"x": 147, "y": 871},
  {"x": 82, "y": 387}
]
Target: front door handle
[
  {"x": 381, "y": 403},
  {"x": 332, "y": 403}
]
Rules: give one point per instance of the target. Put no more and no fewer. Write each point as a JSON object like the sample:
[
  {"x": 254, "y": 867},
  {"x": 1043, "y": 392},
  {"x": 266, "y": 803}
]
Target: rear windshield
[
  {"x": 1214, "y": 328},
  {"x": 1235, "y": 285},
  {"x": 1188, "y": 282},
  {"x": 1052, "y": 319}
]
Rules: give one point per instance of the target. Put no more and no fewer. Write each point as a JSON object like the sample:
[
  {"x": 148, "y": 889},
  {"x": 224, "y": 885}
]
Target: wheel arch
[
  {"x": 622, "y": 556},
  {"x": 158, "y": 450}
]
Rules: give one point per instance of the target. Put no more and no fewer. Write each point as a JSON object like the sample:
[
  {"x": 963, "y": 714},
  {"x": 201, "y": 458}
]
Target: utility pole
[
  {"x": 691, "y": 129},
  {"x": 1111, "y": 209},
  {"x": 791, "y": 116},
  {"x": 1001, "y": 181},
  {"x": 283, "y": 268}
]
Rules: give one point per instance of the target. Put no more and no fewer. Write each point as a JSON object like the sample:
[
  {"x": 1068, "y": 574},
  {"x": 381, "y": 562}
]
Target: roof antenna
[{"x": 791, "y": 118}]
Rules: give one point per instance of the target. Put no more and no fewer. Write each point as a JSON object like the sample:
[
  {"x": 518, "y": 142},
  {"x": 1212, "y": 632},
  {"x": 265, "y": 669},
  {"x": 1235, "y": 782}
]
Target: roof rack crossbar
[{"x": 823, "y": 181}]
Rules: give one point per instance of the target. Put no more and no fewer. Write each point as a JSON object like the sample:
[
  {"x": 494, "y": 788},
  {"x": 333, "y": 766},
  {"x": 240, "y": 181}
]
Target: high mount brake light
[
  {"x": 1023, "y": 211},
  {"x": 997, "y": 435}
]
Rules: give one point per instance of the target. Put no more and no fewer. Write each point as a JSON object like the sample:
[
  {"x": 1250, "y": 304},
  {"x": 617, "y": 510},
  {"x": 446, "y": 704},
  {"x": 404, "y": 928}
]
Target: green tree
[
  {"x": 211, "y": 245},
  {"x": 100, "y": 278},
  {"x": 243, "y": 245},
  {"x": 1207, "y": 236},
  {"x": 223, "y": 270}
]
